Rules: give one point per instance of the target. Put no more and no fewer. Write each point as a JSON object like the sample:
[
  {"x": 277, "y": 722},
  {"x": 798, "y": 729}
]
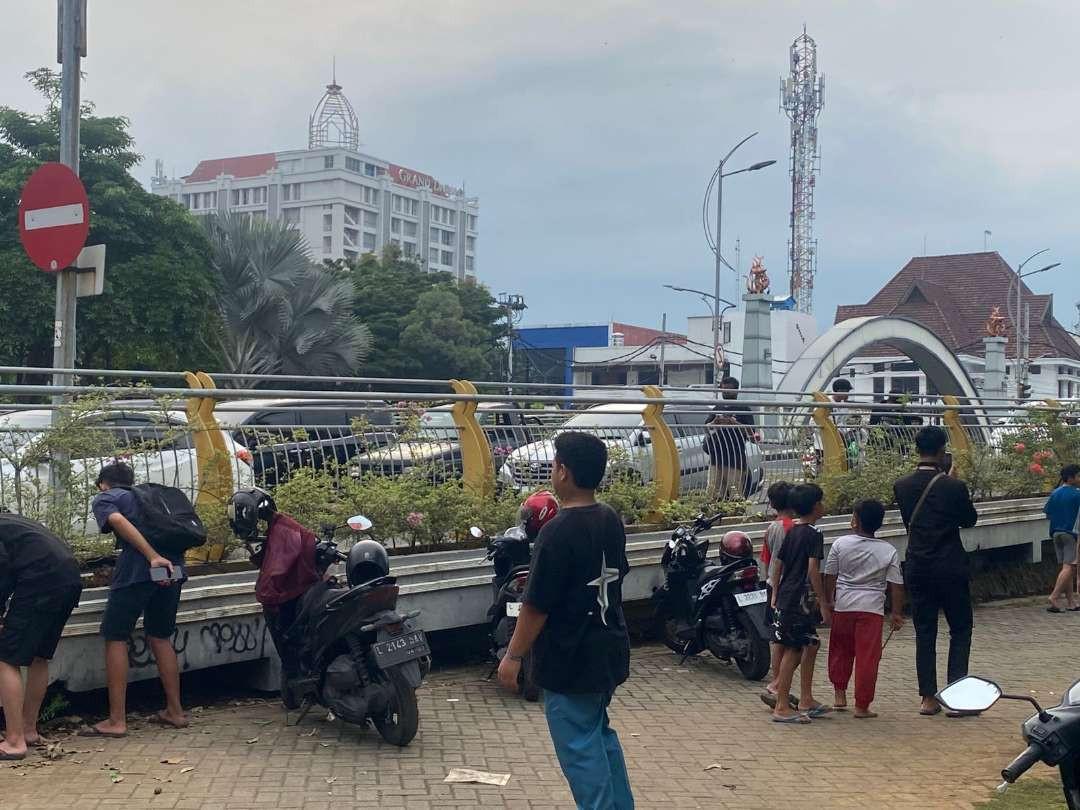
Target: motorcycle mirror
[
  {"x": 359, "y": 523},
  {"x": 476, "y": 532},
  {"x": 970, "y": 694}
]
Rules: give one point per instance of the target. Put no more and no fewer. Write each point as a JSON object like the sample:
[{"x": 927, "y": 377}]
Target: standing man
[
  {"x": 134, "y": 593},
  {"x": 40, "y": 577},
  {"x": 935, "y": 506},
  {"x": 572, "y": 621},
  {"x": 1063, "y": 509},
  {"x": 726, "y": 434}
]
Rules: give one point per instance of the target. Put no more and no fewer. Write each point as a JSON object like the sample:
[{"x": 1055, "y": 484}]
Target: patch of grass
[{"x": 1028, "y": 794}]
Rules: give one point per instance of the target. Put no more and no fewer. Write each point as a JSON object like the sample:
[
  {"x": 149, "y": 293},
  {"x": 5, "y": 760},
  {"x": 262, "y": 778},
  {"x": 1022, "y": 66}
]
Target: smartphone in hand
[{"x": 160, "y": 574}]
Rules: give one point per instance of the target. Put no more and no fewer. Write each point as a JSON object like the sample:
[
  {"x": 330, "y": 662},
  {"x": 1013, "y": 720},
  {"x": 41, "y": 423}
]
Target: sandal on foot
[
  {"x": 1054, "y": 609},
  {"x": 792, "y": 720},
  {"x": 818, "y": 711},
  {"x": 5, "y": 757}
]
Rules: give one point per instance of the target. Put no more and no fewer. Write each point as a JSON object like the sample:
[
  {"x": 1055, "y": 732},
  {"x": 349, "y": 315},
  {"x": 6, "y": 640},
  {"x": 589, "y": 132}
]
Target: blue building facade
[{"x": 545, "y": 354}]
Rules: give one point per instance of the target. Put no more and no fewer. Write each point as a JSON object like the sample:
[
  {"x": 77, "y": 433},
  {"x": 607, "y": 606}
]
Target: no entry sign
[{"x": 54, "y": 216}]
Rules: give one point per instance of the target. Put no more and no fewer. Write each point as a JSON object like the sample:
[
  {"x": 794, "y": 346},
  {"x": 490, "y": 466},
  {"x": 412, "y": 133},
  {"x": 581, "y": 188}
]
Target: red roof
[
  {"x": 953, "y": 297},
  {"x": 243, "y": 166},
  {"x": 642, "y": 335}
]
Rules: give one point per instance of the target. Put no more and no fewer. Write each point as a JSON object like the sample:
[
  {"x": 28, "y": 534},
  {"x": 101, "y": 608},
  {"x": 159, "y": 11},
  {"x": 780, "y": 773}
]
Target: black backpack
[{"x": 168, "y": 521}]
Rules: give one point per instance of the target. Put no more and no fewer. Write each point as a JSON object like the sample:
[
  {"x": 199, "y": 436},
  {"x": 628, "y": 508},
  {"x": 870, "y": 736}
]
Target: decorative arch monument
[{"x": 823, "y": 358}]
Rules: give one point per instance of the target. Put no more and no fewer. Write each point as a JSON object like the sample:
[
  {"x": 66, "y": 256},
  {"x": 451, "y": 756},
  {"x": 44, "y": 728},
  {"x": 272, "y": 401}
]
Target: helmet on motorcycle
[
  {"x": 736, "y": 545},
  {"x": 368, "y": 560},
  {"x": 246, "y": 508},
  {"x": 537, "y": 510}
]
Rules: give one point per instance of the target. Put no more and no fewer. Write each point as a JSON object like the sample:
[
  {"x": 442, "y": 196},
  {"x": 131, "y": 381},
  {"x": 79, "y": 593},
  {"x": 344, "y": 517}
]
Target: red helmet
[
  {"x": 537, "y": 510},
  {"x": 736, "y": 544}
]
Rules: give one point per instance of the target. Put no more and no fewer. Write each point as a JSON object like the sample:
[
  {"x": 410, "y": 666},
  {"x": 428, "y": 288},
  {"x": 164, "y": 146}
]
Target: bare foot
[
  {"x": 864, "y": 714},
  {"x": 109, "y": 727},
  {"x": 839, "y": 699},
  {"x": 167, "y": 718}
]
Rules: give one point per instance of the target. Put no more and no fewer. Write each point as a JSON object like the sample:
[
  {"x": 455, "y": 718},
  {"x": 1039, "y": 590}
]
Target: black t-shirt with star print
[{"x": 576, "y": 578}]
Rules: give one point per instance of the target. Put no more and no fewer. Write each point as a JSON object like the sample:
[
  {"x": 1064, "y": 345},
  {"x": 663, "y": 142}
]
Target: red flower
[
  {"x": 1019, "y": 447},
  {"x": 244, "y": 456},
  {"x": 1042, "y": 455},
  {"x": 1036, "y": 468}
]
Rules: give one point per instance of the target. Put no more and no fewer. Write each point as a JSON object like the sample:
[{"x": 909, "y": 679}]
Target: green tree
[
  {"x": 158, "y": 310},
  {"x": 440, "y": 342},
  {"x": 386, "y": 293},
  {"x": 282, "y": 314}
]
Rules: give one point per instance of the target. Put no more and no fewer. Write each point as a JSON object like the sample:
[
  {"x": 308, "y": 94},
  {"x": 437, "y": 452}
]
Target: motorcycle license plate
[
  {"x": 750, "y": 598},
  {"x": 513, "y": 609},
  {"x": 401, "y": 649}
]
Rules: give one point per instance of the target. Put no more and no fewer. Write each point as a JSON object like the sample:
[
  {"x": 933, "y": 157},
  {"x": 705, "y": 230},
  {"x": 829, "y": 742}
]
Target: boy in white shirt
[{"x": 857, "y": 572}]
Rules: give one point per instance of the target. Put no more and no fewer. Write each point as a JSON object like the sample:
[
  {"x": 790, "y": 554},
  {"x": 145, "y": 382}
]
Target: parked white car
[
  {"x": 168, "y": 453},
  {"x": 622, "y": 428}
]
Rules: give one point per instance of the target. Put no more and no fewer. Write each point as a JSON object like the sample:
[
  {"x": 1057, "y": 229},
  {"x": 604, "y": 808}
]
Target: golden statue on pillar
[
  {"x": 757, "y": 282},
  {"x": 995, "y": 324}
]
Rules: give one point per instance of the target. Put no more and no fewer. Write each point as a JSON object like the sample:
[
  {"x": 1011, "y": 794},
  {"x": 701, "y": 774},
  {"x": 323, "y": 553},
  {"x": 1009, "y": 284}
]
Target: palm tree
[{"x": 280, "y": 312}]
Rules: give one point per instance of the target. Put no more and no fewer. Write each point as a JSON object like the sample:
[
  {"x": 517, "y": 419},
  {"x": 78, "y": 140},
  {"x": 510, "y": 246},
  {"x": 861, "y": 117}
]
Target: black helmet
[
  {"x": 246, "y": 508},
  {"x": 368, "y": 560}
]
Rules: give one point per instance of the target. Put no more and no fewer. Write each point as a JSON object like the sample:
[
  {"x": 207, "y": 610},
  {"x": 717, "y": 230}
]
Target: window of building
[
  {"x": 291, "y": 216},
  {"x": 258, "y": 216},
  {"x": 258, "y": 196},
  {"x": 433, "y": 235},
  {"x": 186, "y": 198},
  {"x": 395, "y": 241},
  {"x": 472, "y": 222},
  {"x": 1035, "y": 369},
  {"x": 904, "y": 367},
  {"x": 354, "y": 165},
  {"x": 469, "y": 263},
  {"x": 726, "y": 337},
  {"x": 370, "y": 169},
  {"x": 328, "y": 161},
  {"x": 371, "y": 196},
  {"x": 351, "y": 255},
  {"x": 371, "y": 219},
  {"x": 448, "y": 238},
  {"x": 395, "y": 225},
  {"x": 327, "y": 219},
  {"x": 409, "y": 249},
  {"x": 470, "y": 244},
  {"x": 448, "y": 258},
  {"x": 879, "y": 385},
  {"x": 194, "y": 201},
  {"x": 291, "y": 191},
  {"x": 433, "y": 255},
  {"x": 327, "y": 244},
  {"x": 409, "y": 229},
  {"x": 352, "y": 237},
  {"x": 209, "y": 199},
  {"x": 1063, "y": 389},
  {"x": 352, "y": 216},
  {"x": 403, "y": 205},
  {"x": 904, "y": 385},
  {"x": 369, "y": 241},
  {"x": 878, "y": 367}
]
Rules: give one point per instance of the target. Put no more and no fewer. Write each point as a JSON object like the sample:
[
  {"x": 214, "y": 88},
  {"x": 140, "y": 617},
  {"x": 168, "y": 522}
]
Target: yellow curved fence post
[
  {"x": 833, "y": 451},
  {"x": 958, "y": 436},
  {"x": 215, "y": 479},
  {"x": 666, "y": 468},
  {"x": 478, "y": 467}
]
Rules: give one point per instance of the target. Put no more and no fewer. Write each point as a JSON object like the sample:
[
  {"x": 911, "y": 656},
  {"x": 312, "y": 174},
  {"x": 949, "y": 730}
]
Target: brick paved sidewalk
[{"x": 674, "y": 721}]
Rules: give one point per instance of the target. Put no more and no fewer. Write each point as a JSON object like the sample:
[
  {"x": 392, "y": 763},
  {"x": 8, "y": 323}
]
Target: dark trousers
[
  {"x": 279, "y": 619},
  {"x": 930, "y": 596}
]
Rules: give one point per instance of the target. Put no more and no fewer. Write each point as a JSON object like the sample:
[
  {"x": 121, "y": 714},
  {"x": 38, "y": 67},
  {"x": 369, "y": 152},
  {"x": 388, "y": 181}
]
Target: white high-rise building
[{"x": 345, "y": 202}]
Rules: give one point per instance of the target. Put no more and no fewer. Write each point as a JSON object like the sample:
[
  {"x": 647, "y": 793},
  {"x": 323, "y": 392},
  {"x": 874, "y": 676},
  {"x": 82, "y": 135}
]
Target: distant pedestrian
[
  {"x": 1063, "y": 509},
  {"x": 799, "y": 601},
  {"x": 779, "y": 499},
  {"x": 726, "y": 434},
  {"x": 39, "y": 588},
  {"x": 935, "y": 506},
  {"x": 572, "y": 621},
  {"x": 858, "y": 571}
]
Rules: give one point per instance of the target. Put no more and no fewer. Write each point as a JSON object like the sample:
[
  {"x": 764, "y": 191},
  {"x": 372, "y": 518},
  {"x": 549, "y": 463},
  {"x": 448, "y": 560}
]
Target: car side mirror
[
  {"x": 476, "y": 532},
  {"x": 359, "y": 523},
  {"x": 970, "y": 694}
]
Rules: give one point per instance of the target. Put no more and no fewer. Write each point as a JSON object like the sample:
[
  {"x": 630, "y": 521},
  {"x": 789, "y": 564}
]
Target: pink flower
[
  {"x": 1019, "y": 447},
  {"x": 1036, "y": 468},
  {"x": 415, "y": 519},
  {"x": 1042, "y": 455}
]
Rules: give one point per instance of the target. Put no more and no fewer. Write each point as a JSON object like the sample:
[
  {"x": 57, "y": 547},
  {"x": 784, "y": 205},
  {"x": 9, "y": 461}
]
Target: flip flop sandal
[
  {"x": 793, "y": 720},
  {"x": 90, "y": 731},
  {"x": 843, "y": 708},
  {"x": 1054, "y": 609},
  {"x": 818, "y": 711},
  {"x": 868, "y": 716},
  {"x": 1074, "y": 609},
  {"x": 11, "y": 757}
]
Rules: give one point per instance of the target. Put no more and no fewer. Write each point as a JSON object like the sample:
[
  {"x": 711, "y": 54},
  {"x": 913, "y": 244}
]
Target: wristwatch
[{"x": 516, "y": 658}]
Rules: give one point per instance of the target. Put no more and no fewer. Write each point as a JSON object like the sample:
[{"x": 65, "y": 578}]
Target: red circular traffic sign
[{"x": 54, "y": 216}]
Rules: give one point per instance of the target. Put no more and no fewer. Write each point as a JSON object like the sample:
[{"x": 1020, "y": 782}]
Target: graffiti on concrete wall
[
  {"x": 242, "y": 638},
  {"x": 237, "y": 637},
  {"x": 140, "y": 654}
]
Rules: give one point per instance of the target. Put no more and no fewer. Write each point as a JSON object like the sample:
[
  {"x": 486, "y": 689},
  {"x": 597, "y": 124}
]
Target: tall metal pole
[
  {"x": 663, "y": 344},
  {"x": 64, "y": 326},
  {"x": 1019, "y": 337},
  {"x": 716, "y": 312}
]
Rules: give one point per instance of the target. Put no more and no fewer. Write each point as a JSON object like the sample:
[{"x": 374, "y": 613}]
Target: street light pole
[
  {"x": 713, "y": 302},
  {"x": 1022, "y": 331}
]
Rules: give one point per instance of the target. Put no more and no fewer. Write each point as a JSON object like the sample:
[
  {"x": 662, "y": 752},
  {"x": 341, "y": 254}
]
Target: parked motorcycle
[
  {"x": 1052, "y": 735},
  {"x": 510, "y": 554},
  {"x": 716, "y": 606},
  {"x": 353, "y": 653}
]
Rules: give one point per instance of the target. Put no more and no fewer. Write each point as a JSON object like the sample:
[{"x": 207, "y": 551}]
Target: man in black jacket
[
  {"x": 39, "y": 587},
  {"x": 936, "y": 569}
]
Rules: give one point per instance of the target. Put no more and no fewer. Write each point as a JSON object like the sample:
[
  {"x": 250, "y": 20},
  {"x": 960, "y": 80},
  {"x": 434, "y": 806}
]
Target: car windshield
[
  {"x": 606, "y": 424},
  {"x": 437, "y": 426}
]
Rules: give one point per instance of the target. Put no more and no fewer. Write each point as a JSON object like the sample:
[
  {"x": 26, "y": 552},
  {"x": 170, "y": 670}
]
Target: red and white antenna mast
[{"x": 801, "y": 97}]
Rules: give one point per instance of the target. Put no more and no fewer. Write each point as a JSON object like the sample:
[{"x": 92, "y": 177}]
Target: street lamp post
[
  {"x": 718, "y": 180},
  {"x": 1021, "y": 333},
  {"x": 713, "y": 303}
]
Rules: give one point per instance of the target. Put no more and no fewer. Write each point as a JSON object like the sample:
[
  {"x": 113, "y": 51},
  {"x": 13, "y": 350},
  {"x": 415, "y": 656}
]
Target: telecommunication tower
[
  {"x": 333, "y": 121},
  {"x": 801, "y": 97}
]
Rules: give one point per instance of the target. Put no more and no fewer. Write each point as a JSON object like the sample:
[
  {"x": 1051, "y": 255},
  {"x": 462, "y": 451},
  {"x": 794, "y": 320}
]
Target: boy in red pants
[{"x": 857, "y": 572}]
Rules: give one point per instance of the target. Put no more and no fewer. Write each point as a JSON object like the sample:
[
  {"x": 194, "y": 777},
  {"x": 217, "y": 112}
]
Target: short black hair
[
  {"x": 779, "y": 495},
  {"x": 930, "y": 440},
  {"x": 116, "y": 474},
  {"x": 729, "y": 382},
  {"x": 841, "y": 385},
  {"x": 871, "y": 514},
  {"x": 1069, "y": 471},
  {"x": 584, "y": 455},
  {"x": 804, "y": 498}
]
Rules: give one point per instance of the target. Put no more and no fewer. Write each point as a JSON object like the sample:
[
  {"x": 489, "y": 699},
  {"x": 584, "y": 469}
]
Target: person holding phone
[
  {"x": 935, "y": 505},
  {"x": 145, "y": 583}
]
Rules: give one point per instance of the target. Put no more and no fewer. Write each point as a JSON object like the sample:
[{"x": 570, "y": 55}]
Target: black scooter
[
  {"x": 356, "y": 655},
  {"x": 510, "y": 554},
  {"x": 703, "y": 605},
  {"x": 1052, "y": 735}
]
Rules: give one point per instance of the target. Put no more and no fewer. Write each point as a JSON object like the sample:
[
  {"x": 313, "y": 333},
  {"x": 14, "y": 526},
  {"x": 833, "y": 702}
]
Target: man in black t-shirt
[
  {"x": 798, "y": 597},
  {"x": 39, "y": 587},
  {"x": 572, "y": 621},
  {"x": 726, "y": 434}
]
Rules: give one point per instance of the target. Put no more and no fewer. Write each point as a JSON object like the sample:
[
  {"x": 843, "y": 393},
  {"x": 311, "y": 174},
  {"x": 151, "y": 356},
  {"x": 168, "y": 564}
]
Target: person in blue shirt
[{"x": 1063, "y": 507}]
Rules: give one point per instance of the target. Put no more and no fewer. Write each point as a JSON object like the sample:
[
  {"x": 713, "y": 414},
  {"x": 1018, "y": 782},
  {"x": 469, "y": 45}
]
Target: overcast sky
[{"x": 589, "y": 129}]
